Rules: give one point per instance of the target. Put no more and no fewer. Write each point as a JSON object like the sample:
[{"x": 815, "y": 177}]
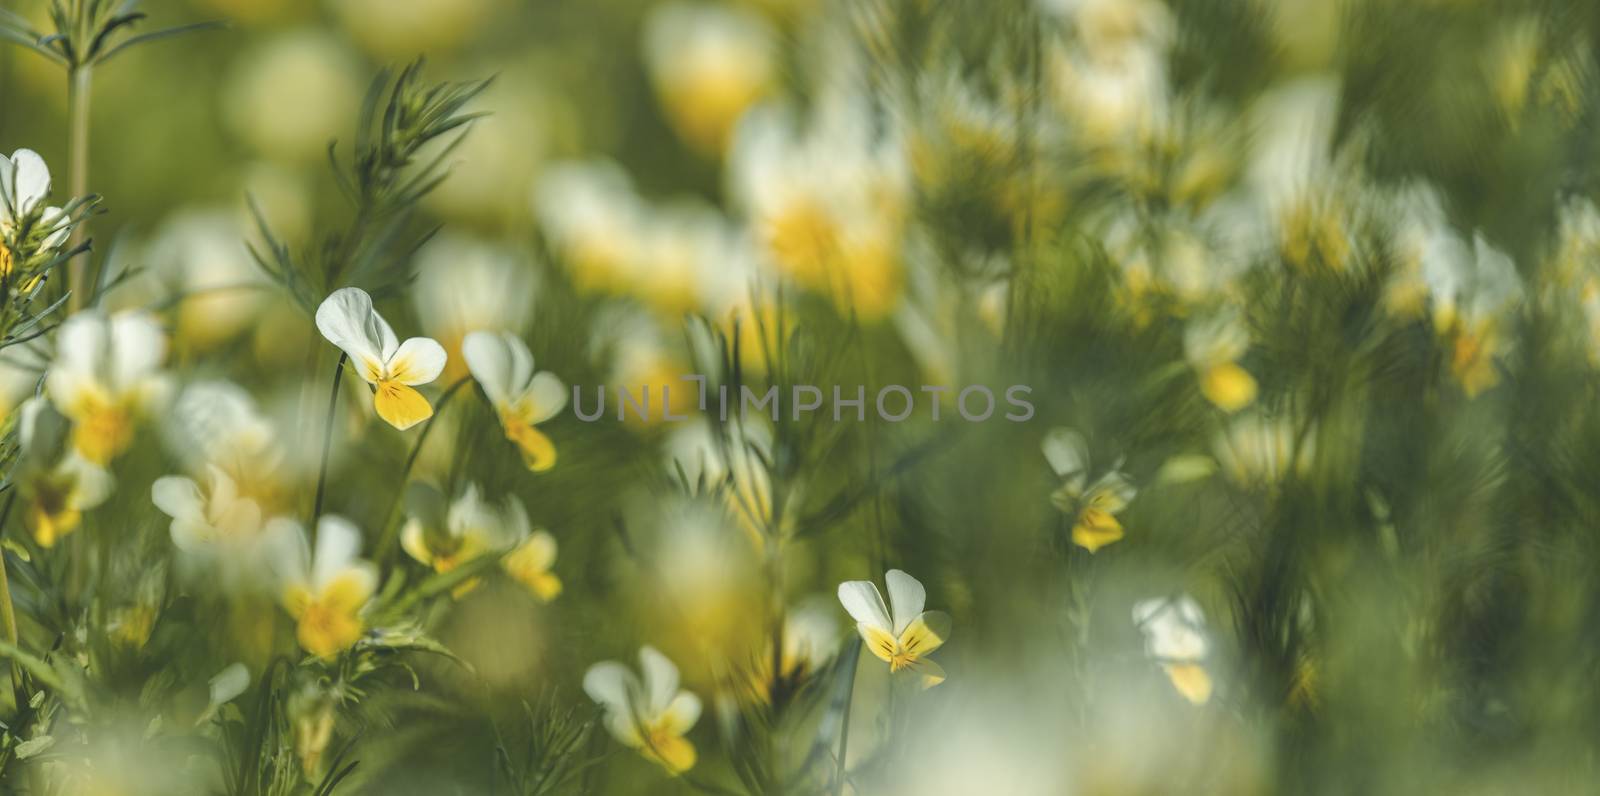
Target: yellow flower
[
  {"x": 904, "y": 637},
  {"x": 1213, "y": 346},
  {"x": 106, "y": 377},
  {"x": 651, "y": 715},
  {"x": 393, "y": 368},
  {"x": 56, "y": 483},
  {"x": 1093, "y": 506},
  {"x": 446, "y": 539},
  {"x": 708, "y": 63},
  {"x": 810, "y": 638},
  {"x": 1175, "y": 637},
  {"x": 521, "y": 396},
  {"x": 324, "y": 594},
  {"x": 530, "y": 561}
]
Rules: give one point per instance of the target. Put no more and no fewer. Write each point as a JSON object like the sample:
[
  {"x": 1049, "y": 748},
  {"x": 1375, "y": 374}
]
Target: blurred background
[{"x": 1315, "y": 286}]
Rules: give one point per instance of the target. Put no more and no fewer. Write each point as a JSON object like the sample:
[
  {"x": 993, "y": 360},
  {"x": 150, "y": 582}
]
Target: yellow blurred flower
[
  {"x": 530, "y": 561},
  {"x": 709, "y": 63},
  {"x": 325, "y": 594},
  {"x": 1213, "y": 346},
  {"x": 56, "y": 483},
  {"x": 393, "y": 368},
  {"x": 827, "y": 204},
  {"x": 106, "y": 377}
]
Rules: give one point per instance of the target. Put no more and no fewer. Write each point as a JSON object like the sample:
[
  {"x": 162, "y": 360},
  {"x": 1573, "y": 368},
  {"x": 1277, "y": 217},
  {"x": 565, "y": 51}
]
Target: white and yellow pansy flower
[
  {"x": 810, "y": 639},
  {"x": 393, "y": 368},
  {"x": 56, "y": 482},
  {"x": 1213, "y": 346},
  {"x": 709, "y": 63},
  {"x": 521, "y": 396},
  {"x": 24, "y": 185},
  {"x": 107, "y": 376},
  {"x": 1093, "y": 506},
  {"x": 325, "y": 593},
  {"x": 1175, "y": 637},
  {"x": 650, "y": 715},
  {"x": 530, "y": 561},
  {"x": 445, "y": 538},
  {"x": 900, "y": 634},
  {"x": 214, "y": 519},
  {"x": 465, "y": 285}
]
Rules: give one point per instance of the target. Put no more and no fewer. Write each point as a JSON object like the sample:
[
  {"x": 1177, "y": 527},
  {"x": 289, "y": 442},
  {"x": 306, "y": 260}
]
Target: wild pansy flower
[
  {"x": 466, "y": 285},
  {"x": 56, "y": 483},
  {"x": 810, "y": 638},
  {"x": 393, "y": 368},
  {"x": 708, "y": 63},
  {"x": 325, "y": 593},
  {"x": 827, "y": 201},
  {"x": 900, "y": 634},
  {"x": 1175, "y": 637},
  {"x": 443, "y": 538},
  {"x": 106, "y": 376},
  {"x": 1093, "y": 506},
  {"x": 217, "y": 517},
  {"x": 530, "y": 561},
  {"x": 24, "y": 184},
  {"x": 1213, "y": 346},
  {"x": 650, "y": 715},
  {"x": 521, "y": 396}
]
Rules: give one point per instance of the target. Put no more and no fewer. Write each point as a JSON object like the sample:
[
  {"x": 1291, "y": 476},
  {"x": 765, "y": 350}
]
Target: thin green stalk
[
  {"x": 387, "y": 542},
  {"x": 79, "y": 84},
  {"x": 8, "y": 612},
  {"x": 327, "y": 443}
]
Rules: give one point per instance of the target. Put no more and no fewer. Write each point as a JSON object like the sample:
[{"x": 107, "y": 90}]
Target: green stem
[
  {"x": 327, "y": 443},
  {"x": 8, "y": 612},
  {"x": 386, "y": 544},
  {"x": 79, "y": 81}
]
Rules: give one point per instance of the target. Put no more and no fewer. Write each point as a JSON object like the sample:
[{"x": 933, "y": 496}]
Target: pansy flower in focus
[
  {"x": 901, "y": 634},
  {"x": 393, "y": 368}
]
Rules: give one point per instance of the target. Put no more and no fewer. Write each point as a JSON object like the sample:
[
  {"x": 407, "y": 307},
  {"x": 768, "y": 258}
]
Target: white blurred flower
[
  {"x": 521, "y": 396},
  {"x": 464, "y": 285},
  {"x": 593, "y": 218},
  {"x": 651, "y": 714},
  {"x": 219, "y": 289},
  {"x": 1175, "y": 637}
]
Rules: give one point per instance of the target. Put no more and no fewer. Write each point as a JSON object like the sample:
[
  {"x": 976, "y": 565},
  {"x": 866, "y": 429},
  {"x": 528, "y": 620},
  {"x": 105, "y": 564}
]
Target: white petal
[
  {"x": 338, "y": 543},
  {"x": 138, "y": 347},
  {"x": 288, "y": 555},
  {"x": 95, "y": 483},
  {"x": 682, "y": 712},
  {"x": 418, "y": 360},
  {"x": 864, "y": 604},
  {"x": 31, "y": 180},
  {"x": 1066, "y": 451},
  {"x": 229, "y": 683},
  {"x": 177, "y": 497},
  {"x": 549, "y": 396},
  {"x": 611, "y": 685},
  {"x": 906, "y": 598},
  {"x": 489, "y": 361},
  {"x": 347, "y": 320},
  {"x": 660, "y": 679}
]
